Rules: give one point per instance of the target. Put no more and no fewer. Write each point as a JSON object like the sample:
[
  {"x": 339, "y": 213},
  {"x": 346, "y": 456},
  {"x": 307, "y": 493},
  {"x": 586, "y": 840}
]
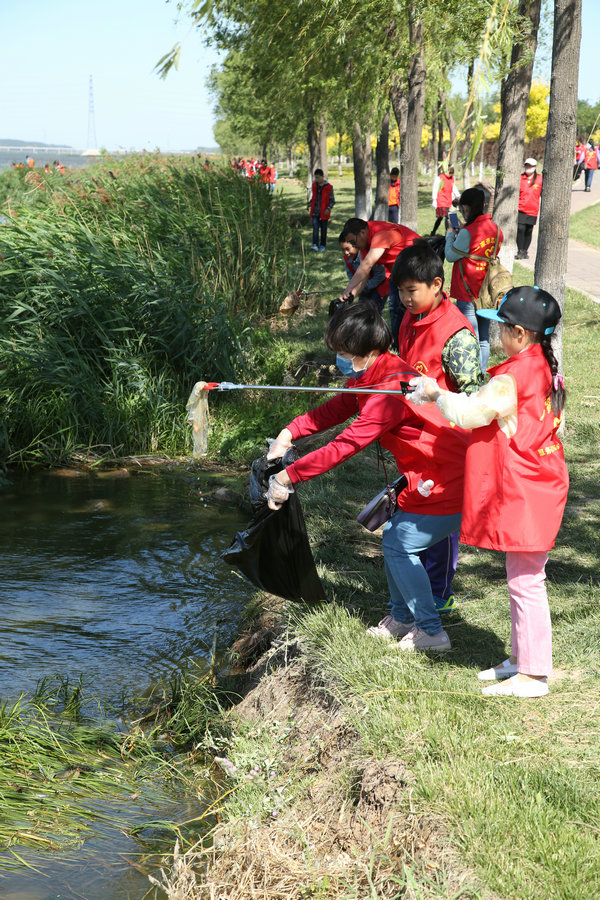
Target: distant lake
[{"x": 43, "y": 156}]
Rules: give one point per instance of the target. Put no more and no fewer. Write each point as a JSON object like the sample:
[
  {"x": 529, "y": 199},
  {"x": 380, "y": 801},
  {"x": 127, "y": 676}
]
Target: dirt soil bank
[{"x": 351, "y": 831}]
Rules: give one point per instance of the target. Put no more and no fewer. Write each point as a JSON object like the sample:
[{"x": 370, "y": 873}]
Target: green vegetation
[
  {"x": 64, "y": 768},
  {"x": 585, "y": 225},
  {"x": 119, "y": 289}
]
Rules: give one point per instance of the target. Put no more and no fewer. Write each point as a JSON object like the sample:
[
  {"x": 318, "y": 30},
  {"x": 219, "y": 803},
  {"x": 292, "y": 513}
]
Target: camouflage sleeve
[{"x": 460, "y": 361}]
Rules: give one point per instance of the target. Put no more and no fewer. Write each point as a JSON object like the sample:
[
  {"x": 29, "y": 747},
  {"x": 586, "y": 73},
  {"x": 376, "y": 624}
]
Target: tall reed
[{"x": 120, "y": 287}]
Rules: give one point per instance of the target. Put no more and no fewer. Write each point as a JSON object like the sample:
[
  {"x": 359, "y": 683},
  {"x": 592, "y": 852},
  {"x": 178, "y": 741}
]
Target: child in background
[
  {"x": 377, "y": 287},
  {"x": 443, "y": 194},
  {"x": 437, "y": 340},
  {"x": 320, "y": 205},
  {"x": 394, "y": 196},
  {"x": 516, "y": 479}
]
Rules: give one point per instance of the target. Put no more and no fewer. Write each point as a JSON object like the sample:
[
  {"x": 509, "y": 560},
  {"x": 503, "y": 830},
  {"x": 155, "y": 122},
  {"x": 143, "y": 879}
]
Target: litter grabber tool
[
  {"x": 229, "y": 386},
  {"x": 197, "y": 405}
]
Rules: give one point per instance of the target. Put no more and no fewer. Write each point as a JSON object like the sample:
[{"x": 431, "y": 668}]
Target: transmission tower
[{"x": 92, "y": 143}]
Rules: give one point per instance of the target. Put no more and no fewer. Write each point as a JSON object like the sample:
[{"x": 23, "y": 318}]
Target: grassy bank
[
  {"x": 585, "y": 226},
  {"x": 511, "y": 785}
]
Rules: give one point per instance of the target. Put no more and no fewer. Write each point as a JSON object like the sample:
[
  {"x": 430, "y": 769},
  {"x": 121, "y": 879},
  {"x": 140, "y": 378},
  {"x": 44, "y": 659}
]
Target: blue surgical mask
[
  {"x": 344, "y": 365},
  {"x": 358, "y": 372}
]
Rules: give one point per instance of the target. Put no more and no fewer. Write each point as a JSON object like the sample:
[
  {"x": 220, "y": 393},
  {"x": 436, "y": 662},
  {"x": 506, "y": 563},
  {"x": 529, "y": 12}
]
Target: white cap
[{"x": 530, "y": 162}]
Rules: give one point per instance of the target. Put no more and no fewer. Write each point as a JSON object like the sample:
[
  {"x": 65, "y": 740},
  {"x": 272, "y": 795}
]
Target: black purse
[{"x": 383, "y": 506}]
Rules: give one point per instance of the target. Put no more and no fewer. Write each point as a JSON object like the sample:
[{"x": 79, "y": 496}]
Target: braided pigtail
[{"x": 557, "y": 389}]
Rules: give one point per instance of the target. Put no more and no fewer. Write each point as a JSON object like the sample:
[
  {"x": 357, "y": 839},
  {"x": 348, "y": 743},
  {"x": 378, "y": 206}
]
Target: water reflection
[{"x": 119, "y": 581}]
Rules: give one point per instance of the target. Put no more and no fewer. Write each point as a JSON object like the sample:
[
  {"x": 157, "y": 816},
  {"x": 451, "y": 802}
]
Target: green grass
[
  {"x": 513, "y": 783},
  {"x": 585, "y": 225}
]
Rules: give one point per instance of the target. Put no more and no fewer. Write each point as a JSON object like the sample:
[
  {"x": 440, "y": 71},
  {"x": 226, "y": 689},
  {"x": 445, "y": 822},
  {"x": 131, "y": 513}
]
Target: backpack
[
  {"x": 497, "y": 281},
  {"x": 437, "y": 242}
]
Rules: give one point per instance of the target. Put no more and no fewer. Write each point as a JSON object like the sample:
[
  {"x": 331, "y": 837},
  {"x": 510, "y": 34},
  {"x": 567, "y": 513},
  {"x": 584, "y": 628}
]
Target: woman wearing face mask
[
  {"x": 530, "y": 191},
  {"x": 481, "y": 238},
  {"x": 426, "y": 450}
]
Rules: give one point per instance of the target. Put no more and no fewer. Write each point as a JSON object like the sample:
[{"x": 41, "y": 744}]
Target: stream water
[{"x": 119, "y": 580}]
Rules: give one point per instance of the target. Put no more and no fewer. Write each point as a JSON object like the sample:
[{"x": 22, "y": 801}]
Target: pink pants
[{"x": 531, "y": 631}]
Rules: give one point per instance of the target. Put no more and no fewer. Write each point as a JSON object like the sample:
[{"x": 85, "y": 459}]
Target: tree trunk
[
  {"x": 339, "y": 155},
  {"x": 452, "y": 128},
  {"x": 361, "y": 156},
  {"x": 382, "y": 166},
  {"x": 440, "y": 125},
  {"x": 411, "y": 147},
  {"x": 323, "y": 159},
  {"x": 435, "y": 141},
  {"x": 514, "y": 97},
  {"x": 551, "y": 258},
  {"x": 313, "y": 151},
  {"x": 290, "y": 164},
  {"x": 399, "y": 102}
]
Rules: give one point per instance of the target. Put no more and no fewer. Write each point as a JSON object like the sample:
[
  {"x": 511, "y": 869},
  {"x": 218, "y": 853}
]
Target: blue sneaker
[{"x": 445, "y": 605}]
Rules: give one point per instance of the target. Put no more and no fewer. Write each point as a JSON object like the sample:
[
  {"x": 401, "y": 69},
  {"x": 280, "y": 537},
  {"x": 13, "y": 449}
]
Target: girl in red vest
[
  {"x": 426, "y": 449},
  {"x": 444, "y": 191},
  {"x": 592, "y": 157},
  {"x": 516, "y": 480},
  {"x": 479, "y": 237}
]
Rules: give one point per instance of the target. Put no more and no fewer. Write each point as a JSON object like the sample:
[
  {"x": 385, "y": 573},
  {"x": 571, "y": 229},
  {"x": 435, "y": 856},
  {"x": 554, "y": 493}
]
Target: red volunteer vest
[
  {"x": 323, "y": 213},
  {"x": 444, "y": 195},
  {"x": 516, "y": 490},
  {"x": 394, "y": 194},
  {"x": 421, "y": 341},
  {"x": 591, "y": 159},
  {"x": 399, "y": 237},
  {"x": 383, "y": 288},
  {"x": 483, "y": 236},
  {"x": 529, "y": 194},
  {"x": 425, "y": 447}
]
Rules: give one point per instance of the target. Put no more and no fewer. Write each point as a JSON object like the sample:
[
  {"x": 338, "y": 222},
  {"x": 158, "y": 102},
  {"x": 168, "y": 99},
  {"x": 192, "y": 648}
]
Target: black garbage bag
[{"x": 273, "y": 551}]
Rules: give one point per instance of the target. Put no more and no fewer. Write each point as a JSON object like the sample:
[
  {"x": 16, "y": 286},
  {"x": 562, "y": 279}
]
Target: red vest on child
[
  {"x": 481, "y": 243},
  {"x": 394, "y": 193},
  {"x": 516, "y": 489},
  {"x": 323, "y": 212},
  {"x": 421, "y": 341},
  {"x": 444, "y": 195},
  {"x": 428, "y": 447}
]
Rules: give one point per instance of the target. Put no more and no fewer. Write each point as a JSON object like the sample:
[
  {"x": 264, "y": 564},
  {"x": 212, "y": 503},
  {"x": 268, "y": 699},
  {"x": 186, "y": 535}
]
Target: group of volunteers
[
  {"x": 482, "y": 459},
  {"x": 587, "y": 158},
  {"x": 256, "y": 168}
]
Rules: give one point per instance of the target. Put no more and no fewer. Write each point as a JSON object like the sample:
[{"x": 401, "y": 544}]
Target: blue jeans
[
  {"x": 405, "y": 536},
  {"x": 393, "y": 214},
  {"x": 482, "y": 330},
  {"x": 397, "y": 310},
  {"x": 589, "y": 174},
  {"x": 322, "y": 224}
]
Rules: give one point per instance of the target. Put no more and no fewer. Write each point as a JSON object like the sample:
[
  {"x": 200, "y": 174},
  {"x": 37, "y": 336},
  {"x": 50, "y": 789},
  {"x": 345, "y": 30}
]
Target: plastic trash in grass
[{"x": 197, "y": 407}]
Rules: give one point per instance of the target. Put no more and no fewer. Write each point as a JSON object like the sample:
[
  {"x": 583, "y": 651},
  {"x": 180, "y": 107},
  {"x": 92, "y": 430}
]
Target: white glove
[
  {"x": 424, "y": 390},
  {"x": 279, "y": 445},
  {"x": 425, "y": 487},
  {"x": 277, "y": 493}
]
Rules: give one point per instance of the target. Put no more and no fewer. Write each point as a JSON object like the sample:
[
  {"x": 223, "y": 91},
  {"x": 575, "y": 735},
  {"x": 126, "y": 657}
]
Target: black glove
[{"x": 339, "y": 303}]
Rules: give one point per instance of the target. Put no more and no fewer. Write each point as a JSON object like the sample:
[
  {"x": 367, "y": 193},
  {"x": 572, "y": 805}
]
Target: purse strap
[{"x": 381, "y": 458}]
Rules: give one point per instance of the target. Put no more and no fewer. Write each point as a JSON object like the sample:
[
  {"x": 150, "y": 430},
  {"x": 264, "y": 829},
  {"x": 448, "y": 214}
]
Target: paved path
[{"x": 583, "y": 261}]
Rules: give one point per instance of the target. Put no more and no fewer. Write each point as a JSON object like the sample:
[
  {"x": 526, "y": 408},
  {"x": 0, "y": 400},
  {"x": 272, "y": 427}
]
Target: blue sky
[{"x": 49, "y": 50}]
